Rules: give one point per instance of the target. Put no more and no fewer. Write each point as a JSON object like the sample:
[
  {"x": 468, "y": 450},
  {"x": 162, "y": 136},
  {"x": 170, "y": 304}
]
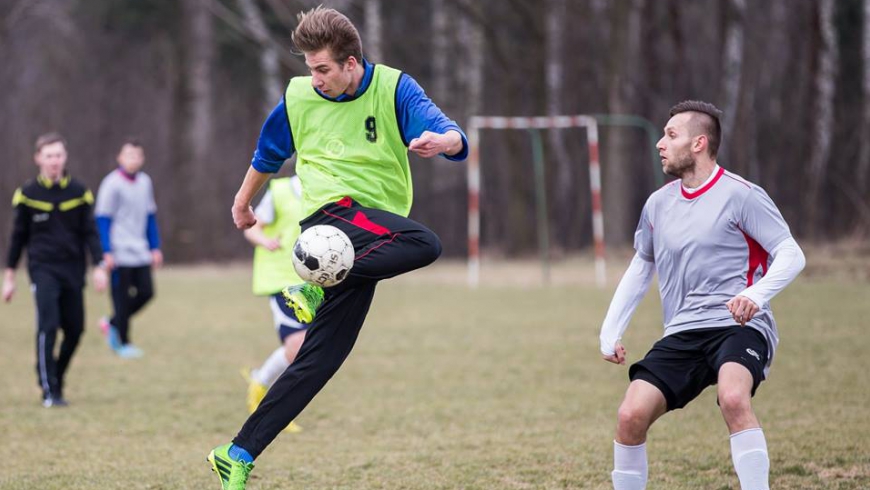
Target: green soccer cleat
[
  {"x": 233, "y": 474},
  {"x": 304, "y": 299}
]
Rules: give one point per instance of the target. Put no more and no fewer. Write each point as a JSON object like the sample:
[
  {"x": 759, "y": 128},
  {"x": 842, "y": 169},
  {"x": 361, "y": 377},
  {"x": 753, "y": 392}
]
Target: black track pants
[
  {"x": 132, "y": 288},
  {"x": 59, "y": 305}
]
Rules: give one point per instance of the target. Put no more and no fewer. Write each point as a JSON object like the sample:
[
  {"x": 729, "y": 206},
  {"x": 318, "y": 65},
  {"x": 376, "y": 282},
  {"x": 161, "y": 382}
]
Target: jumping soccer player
[
  {"x": 351, "y": 124},
  {"x": 711, "y": 236}
]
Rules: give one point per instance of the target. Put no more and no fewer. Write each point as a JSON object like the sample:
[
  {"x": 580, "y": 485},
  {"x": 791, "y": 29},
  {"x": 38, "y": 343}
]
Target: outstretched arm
[
  {"x": 630, "y": 291},
  {"x": 424, "y": 128},
  {"x": 430, "y": 144}
]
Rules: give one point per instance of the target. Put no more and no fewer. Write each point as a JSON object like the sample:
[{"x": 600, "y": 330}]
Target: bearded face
[
  {"x": 675, "y": 147},
  {"x": 681, "y": 162}
]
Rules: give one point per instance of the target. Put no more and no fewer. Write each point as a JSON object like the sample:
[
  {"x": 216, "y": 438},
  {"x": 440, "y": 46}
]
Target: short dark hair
[
  {"x": 709, "y": 125},
  {"x": 48, "y": 139},
  {"x": 321, "y": 28},
  {"x": 132, "y": 141}
]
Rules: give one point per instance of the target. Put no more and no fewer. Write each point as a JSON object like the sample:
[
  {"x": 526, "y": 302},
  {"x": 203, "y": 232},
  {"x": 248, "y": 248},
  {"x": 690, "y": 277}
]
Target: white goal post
[{"x": 477, "y": 123}]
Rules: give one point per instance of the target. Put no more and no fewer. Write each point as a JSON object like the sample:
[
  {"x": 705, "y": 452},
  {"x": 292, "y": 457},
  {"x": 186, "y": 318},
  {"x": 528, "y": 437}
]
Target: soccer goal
[{"x": 478, "y": 123}]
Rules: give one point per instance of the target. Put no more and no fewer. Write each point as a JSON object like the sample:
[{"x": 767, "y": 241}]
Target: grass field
[{"x": 498, "y": 388}]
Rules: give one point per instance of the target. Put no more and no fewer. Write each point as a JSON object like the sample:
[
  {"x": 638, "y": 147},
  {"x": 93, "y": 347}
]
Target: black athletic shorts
[{"x": 683, "y": 364}]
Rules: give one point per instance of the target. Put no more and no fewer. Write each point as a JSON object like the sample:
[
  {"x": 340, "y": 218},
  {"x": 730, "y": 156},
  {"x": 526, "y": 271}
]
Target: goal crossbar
[{"x": 476, "y": 124}]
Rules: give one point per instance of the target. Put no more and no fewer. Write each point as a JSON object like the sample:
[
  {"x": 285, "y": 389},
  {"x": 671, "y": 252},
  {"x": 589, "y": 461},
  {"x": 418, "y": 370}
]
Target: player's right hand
[
  {"x": 243, "y": 216},
  {"x": 101, "y": 280},
  {"x": 109, "y": 260},
  {"x": 8, "y": 290},
  {"x": 618, "y": 356}
]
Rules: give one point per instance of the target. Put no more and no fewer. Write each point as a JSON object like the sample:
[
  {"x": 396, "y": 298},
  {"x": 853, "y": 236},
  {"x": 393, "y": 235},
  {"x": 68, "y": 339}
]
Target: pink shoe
[{"x": 104, "y": 325}]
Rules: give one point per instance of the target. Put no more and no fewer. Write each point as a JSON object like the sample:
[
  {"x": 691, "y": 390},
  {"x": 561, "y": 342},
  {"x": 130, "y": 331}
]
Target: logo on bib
[{"x": 335, "y": 147}]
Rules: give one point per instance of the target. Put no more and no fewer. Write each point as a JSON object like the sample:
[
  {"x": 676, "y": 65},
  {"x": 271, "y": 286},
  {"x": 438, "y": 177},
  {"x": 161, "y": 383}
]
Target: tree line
[{"x": 194, "y": 79}]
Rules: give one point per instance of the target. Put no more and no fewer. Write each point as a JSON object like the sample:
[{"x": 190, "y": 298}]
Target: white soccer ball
[{"x": 323, "y": 255}]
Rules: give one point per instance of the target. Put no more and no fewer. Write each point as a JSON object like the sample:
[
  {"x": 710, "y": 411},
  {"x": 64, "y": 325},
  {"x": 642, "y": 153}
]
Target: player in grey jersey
[
  {"x": 722, "y": 250},
  {"x": 127, "y": 219}
]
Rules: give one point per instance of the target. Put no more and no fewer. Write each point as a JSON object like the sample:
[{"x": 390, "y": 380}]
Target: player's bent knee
[
  {"x": 632, "y": 423},
  {"x": 734, "y": 402},
  {"x": 429, "y": 248},
  {"x": 434, "y": 246}
]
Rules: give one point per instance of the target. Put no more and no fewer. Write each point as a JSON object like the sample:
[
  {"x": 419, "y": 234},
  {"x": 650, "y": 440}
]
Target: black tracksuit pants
[
  {"x": 132, "y": 288},
  {"x": 386, "y": 245},
  {"x": 57, "y": 292}
]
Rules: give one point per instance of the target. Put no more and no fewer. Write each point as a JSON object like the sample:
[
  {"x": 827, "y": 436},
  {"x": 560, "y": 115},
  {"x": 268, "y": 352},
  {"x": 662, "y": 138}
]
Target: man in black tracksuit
[{"x": 54, "y": 221}]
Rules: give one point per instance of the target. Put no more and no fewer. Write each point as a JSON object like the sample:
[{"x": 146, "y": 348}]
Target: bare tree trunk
[
  {"x": 863, "y": 174},
  {"x": 555, "y": 53},
  {"x": 732, "y": 72},
  {"x": 743, "y": 141},
  {"x": 825, "y": 84},
  {"x": 271, "y": 74},
  {"x": 199, "y": 79},
  {"x": 434, "y": 175},
  {"x": 774, "y": 57},
  {"x": 471, "y": 37},
  {"x": 471, "y": 80},
  {"x": 440, "y": 43},
  {"x": 374, "y": 32},
  {"x": 201, "y": 185},
  {"x": 617, "y": 164}
]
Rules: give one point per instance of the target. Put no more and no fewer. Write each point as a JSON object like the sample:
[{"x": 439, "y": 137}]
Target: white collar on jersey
[{"x": 712, "y": 176}]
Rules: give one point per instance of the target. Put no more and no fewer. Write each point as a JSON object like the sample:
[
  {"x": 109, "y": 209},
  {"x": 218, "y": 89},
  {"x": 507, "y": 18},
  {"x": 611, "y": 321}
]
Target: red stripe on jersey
[
  {"x": 692, "y": 195},
  {"x": 736, "y": 179},
  {"x": 757, "y": 257}
]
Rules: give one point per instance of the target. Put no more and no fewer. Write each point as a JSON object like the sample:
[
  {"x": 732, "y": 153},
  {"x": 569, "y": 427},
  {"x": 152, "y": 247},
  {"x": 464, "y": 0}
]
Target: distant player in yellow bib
[
  {"x": 350, "y": 125},
  {"x": 273, "y": 236}
]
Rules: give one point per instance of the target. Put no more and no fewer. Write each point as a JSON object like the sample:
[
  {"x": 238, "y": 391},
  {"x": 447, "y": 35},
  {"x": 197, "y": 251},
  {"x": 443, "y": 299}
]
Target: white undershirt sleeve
[
  {"x": 788, "y": 261},
  {"x": 265, "y": 211},
  {"x": 632, "y": 287}
]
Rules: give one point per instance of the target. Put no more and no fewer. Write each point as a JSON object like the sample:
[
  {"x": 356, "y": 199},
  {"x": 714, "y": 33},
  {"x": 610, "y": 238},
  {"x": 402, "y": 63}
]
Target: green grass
[{"x": 499, "y": 388}]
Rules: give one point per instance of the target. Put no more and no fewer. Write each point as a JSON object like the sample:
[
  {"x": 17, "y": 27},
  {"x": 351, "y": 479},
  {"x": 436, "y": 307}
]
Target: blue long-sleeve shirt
[{"x": 415, "y": 113}]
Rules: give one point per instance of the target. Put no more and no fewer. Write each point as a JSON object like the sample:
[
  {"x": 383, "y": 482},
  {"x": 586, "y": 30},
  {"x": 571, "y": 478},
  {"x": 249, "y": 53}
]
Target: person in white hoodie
[{"x": 722, "y": 250}]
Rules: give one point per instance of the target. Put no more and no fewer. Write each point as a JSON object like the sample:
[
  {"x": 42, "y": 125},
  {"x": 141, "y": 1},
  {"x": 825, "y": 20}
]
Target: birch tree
[
  {"x": 198, "y": 180},
  {"x": 555, "y": 75},
  {"x": 863, "y": 173},
  {"x": 616, "y": 166},
  {"x": 823, "y": 128},
  {"x": 732, "y": 69},
  {"x": 440, "y": 46},
  {"x": 373, "y": 44},
  {"x": 270, "y": 72}
]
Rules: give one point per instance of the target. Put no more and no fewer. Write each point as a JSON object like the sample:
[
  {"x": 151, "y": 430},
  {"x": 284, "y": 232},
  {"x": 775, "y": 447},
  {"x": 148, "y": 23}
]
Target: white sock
[
  {"x": 629, "y": 467},
  {"x": 272, "y": 368},
  {"x": 749, "y": 455}
]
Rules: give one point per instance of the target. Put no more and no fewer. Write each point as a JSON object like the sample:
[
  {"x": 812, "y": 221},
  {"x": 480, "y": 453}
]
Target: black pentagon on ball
[
  {"x": 310, "y": 262},
  {"x": 299, "y": 252},
  {"x": 340, "y": 275}
]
